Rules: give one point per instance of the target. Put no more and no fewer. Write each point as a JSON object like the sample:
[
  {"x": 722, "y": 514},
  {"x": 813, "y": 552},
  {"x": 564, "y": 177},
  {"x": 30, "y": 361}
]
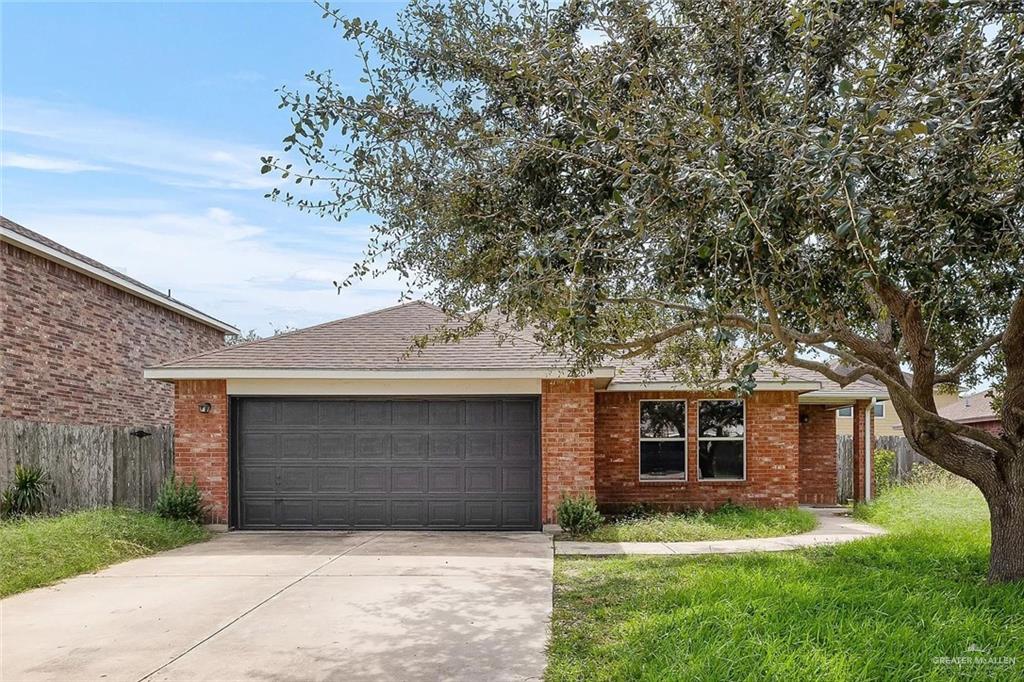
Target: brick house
[
  {"x": 75, "y": 336},
  {"x": 975, "y": 409},
  {"x": 342, "y": 426}
]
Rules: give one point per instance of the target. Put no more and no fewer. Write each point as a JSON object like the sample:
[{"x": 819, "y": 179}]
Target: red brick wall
[
  {"x": 567, "y": 441},
  {"x": 72, "y": 349},
  {"x": 817, "y": 454},
  {"x": 201, "y": 441},
  {"x": 772, "y": 454}
]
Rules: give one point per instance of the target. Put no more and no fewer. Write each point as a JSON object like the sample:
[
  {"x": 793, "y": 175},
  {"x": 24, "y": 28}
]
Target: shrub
[
  {"x": 884, "y": 469},
  {"x": 180, "y": 500},
  {"x": 26, "y": 493},
  {"x": 578, "y": 515}
]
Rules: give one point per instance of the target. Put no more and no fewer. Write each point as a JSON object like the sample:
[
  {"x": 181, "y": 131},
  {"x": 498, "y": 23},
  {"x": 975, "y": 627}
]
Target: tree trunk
[{"x": 1006, "y": 562}]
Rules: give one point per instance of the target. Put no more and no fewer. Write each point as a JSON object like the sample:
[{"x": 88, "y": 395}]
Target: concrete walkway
[
  {"x": 834, "y": 526},
  {"x": 294, "y": 607}
]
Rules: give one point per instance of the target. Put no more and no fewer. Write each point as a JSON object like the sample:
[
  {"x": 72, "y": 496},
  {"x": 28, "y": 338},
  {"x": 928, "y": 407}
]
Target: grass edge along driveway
[
  {"x": 730, "y": 522},
  {"x": 904, "y": 606},
  {"x": 42, "y": 550}
]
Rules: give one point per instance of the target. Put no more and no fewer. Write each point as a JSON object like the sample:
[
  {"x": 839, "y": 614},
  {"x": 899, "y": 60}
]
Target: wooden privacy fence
[
  {"x": 906, "y": 458},
  {"x": 90, "y": 466}
]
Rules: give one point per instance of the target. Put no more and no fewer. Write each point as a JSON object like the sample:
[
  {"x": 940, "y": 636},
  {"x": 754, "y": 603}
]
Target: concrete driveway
[{"x": 295, "y": 606}]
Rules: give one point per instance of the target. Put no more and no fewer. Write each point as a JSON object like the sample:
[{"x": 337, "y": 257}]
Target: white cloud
[
  {"x": 47, "y": 163},
  {"x": 173, "y": 157},
  {"x": 222, "y": 264}
]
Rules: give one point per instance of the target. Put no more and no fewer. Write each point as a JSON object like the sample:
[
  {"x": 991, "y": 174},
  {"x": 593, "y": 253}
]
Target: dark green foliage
[
  {"x": 884, "y": 463},
  {"x": 578, "y": 515},
  {"x": 180, "y": 500},
  {"x": 26, "y": 493}
]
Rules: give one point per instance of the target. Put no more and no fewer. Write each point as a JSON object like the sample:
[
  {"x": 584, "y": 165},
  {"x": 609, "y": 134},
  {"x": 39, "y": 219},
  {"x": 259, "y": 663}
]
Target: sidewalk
[{"x": 835, "y": 526}]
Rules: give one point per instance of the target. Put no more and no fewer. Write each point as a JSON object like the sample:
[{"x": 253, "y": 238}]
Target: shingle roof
[
  {"x": 379, "y": 340},
  {"x": 976, "y": 407},
  {"x": 158, "y": 297}
]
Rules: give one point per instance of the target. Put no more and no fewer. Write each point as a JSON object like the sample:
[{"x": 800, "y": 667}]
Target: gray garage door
[{"x": 466, "y": 463}]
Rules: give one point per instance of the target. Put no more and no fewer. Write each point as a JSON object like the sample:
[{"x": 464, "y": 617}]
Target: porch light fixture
[{"x": 205, "y": 408}]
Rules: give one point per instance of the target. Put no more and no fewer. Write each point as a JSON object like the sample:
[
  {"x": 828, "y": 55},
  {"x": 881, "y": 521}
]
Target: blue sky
[{"x": 132, "y": 132}]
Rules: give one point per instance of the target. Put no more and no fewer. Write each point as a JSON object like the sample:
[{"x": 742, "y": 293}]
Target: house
[
  {"x": 341, "y": 426},
  {"x": 887, "y": 422},
  {"x": 75, "y": 336},
  {"x": 975, "y": 409}
]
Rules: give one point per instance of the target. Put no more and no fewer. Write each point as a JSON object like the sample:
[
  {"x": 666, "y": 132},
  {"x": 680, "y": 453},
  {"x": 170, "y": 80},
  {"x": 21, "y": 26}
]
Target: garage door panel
[
  {"x": 409, "y": 446},
  {"x": 408, "y": 479},
  {"x": 334, "y": 479},
  {"x": 442, "y": 463},
  {"x": 444, "y": 479},
  {"x": 370, "y": 514},
  {"x": 297, "y": 479},
  {"x": 370, "y": 479},
  {"x": 336, "y": 445},
  {"x": 298, "y": 445},
  {"x": 446, "y": 445},
  {"x": 259, "y": 479},
  {"x": 336, "y": 413}
]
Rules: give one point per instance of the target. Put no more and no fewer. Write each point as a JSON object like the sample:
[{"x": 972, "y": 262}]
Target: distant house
[
  {"x": 887, "y": 422},
  {"x": 75, "y": 335},
  {"x": 974, "y": 409}
]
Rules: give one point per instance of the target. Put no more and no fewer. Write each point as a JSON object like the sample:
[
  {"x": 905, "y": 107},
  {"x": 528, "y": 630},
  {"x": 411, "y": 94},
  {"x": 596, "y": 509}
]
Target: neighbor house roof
[
  {"x": 42, "y": 246},
  {"x": 380, "y": 344},
  {"x": 976, "y": 407}
]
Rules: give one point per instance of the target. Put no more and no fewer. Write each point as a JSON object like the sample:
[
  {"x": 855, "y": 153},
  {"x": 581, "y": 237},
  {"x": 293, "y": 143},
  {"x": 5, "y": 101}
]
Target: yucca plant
[{"x": 26, "y": 493}]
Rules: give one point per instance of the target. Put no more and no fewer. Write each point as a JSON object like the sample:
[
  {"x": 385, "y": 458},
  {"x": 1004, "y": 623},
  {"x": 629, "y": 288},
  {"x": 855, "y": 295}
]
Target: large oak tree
[{"x": 809, "y": 182}]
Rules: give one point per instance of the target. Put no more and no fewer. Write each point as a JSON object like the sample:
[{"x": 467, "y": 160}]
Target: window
[
  {"x": 846, "y": 411},
  {"x": 662, "y": 440},
  {"x": 721, "y": 440},
  {"x": 880, "y": 410}
]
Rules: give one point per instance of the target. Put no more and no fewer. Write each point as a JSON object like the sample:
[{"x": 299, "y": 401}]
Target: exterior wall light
[{"x": 205, "y": 408}]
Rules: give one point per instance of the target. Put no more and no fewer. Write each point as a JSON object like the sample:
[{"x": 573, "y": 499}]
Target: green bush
[
  {"x": 578, "y": 515},
  {"x": 26, "y": 493},
  {"x": 884, "y": 464},
  {"x": 180, "y": 500}
]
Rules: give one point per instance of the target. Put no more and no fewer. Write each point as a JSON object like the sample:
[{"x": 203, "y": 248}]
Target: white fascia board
[
  {"x": 177, "y": 373},
  {"x": 674, "y": 386},
  {"x": 72, "y": 263},
  {"x": 840, "y": 397}
]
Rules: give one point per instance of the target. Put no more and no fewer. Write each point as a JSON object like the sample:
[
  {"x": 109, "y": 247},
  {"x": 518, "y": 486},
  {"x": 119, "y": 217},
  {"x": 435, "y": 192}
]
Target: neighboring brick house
[
  {"x": 342, "y": 426},
  {"x": 975, "y": 409},
  {"x": 75, "y": 336}
]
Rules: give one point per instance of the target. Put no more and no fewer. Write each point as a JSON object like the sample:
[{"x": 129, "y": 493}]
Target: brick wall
[
  {"x": 860, "y": 409},
  {"x": 817, "y": 454},
  {"x": 567, "y": 441},
  {"x": 72, "y": 349},
  {"x": 772, "y": 454},
  {"x": 201, "y": 441}
]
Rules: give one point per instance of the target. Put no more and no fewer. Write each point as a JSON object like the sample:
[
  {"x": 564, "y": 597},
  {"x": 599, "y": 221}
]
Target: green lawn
[
  {"x": 884, "y": 608},
  {"x": 727, "y": 523},
  {"x": 40, "y": 551}
]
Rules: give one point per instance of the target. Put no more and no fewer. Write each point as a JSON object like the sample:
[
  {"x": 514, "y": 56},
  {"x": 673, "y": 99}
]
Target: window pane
[
  {"x": 662, "y": 419},
  {"x": 845, "y": 411},
  {"x": 720, "y": 418},
  {"x": 879, "y": 409},
  {"x": 721, "y": 459},
  {"x": 663, "y": 459}
]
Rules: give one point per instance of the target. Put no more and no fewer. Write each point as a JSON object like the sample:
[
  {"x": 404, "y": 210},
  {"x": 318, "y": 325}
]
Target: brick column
[
  {"x": 201, "y": 442},
  {"x": 567, "y": 441},
  {"x": 860, "y": 408},
  {"x": 817, "y": 455}
]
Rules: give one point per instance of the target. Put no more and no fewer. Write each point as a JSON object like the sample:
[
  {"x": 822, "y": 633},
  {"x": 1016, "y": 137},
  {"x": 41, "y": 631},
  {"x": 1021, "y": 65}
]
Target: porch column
[
  {"x": 861, "y": 409},
  {"x": 567, "y": 441}
]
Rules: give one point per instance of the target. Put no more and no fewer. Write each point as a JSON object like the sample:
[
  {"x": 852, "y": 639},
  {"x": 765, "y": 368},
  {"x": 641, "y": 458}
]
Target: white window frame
[
  {"x": 880, "y": 406},
  {"x": 839, "y": 412},
  {"x": 685, "y": 439},
  {"x": 742, "y": 439}
]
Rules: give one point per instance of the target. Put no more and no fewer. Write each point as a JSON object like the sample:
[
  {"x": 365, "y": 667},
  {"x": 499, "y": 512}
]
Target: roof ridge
[{"x": 275, "y": 337}]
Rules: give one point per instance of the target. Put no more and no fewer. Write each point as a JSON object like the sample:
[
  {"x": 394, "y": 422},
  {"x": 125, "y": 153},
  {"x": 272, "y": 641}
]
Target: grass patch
[
  {"x": 727, "y": 523},
  {"x": 890, "y": 607},
  {"x": 40, "y": 551}
]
